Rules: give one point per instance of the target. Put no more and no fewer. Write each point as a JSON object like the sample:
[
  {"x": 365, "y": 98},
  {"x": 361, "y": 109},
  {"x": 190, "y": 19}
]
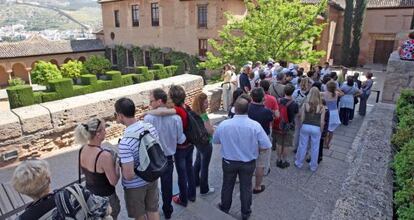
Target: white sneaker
[{"x": 210, "y": 191}]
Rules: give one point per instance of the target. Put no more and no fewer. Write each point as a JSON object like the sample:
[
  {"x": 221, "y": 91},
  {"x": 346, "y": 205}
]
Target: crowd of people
[{"x": 270, "y": 107}]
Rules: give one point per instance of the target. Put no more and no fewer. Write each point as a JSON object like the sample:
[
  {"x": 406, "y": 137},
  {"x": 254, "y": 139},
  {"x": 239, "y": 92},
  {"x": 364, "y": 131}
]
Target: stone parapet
[
  {"x": 367, "y": 192},
  {"x": 33, "y": 130},
  {"x": 214, "y": 94},
  {"x": 400, "y": 75}
]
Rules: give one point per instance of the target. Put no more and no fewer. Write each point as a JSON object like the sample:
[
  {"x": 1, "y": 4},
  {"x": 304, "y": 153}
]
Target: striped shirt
[{"x": 128, "y": 152}]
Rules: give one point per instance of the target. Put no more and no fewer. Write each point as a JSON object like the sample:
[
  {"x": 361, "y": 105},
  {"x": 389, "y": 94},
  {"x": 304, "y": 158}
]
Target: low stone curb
[{"x": 367, "y": 192}]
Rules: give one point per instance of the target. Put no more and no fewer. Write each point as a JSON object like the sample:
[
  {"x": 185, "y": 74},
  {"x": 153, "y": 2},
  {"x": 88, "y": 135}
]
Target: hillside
[{"x": 37, "y": 19}]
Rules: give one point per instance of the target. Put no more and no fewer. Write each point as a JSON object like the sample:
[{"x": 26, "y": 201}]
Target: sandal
[{"x": 257, "y": 191}]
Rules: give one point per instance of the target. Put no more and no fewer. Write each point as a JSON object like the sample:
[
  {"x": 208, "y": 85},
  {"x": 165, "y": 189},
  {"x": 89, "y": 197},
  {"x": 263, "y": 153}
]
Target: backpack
[
  {"x": 74, "y": 202},
  {"x": 299, "y": 97},
  {"x": 282, "y": 124},
  {"x": 152, "y": 160},
  {"x": 196, "y": 132}
]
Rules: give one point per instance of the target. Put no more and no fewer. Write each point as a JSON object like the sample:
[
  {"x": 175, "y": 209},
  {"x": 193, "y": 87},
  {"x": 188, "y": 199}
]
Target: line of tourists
[{"x": 274, "y": 106}]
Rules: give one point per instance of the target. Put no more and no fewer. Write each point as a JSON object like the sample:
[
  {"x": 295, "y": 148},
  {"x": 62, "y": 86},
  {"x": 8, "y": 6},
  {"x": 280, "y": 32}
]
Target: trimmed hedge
[
  {"x": 64, "y": 87},
  {"x": 128, "y": 79},
  {"x": 403, "y": 163},
  {"x": 88, "y": 79},
  {"x": 21, "y": 95},
  {"x": 115, "y": 77}
]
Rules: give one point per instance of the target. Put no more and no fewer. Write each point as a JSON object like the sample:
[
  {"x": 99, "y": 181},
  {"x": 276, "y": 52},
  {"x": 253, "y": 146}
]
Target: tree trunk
[
  {"x": 359, "y": 15},
  {"x": 346, "y": 39}
]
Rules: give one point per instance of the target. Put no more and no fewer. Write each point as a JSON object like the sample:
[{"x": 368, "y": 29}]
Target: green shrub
[
  {"x": 160, "y": 74},
  {"x": 72, "y": 69},
  {"x": 403, "y": 163},
  {"x": 115, "y": 77},
  {"x": 50, "y": 96},
  {"x": 103, "y": 85},
  {"x": 82, "y": 89},
  {"x": 171, "y": 70},
  {"x": 43, "y": 72},
  {"x": 19, "y": 96},
  {"x": 180, "y": 67},
  {"x": 141, "y": 69},
  {"x": 64, "y": 87},
  {"x": 37, "y": 96},
  {"x": 143, "y": 74},
  {"x": 128, "y": 79},
  {"x": 88, "y": 79},
  {"x": 16, "y": 81},
  {"x": 96, "y": 65},
  {"x": 158, "y": 66}
]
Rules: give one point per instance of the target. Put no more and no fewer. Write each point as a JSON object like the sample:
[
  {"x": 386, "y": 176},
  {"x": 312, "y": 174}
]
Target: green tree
[
  {"x": 96, "y": 65},
  {"x": 346, "y": 37},
  {"x": 72, "y": 69},
  {"x": 359, "y": 14},
  {"x": 45, "y": 71},
  {"x": 279, "y": 29}
]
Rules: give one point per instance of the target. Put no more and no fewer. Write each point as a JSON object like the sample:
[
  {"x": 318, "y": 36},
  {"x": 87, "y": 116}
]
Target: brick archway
[
  {"x": 19, "y": 70},
  {"x": 4, "y": 76}
]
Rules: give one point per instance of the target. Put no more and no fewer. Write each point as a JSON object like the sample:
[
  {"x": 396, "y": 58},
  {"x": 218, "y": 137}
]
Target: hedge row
[
  {"x": 23, "y": 95},
  {"x": 403, "y": 163}
]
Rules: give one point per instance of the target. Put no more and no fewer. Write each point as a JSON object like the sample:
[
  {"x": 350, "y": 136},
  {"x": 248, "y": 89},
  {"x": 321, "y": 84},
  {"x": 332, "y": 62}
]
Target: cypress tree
[
  {"x": 346, "y": 39},
  {"x": 359, "y": 15}
]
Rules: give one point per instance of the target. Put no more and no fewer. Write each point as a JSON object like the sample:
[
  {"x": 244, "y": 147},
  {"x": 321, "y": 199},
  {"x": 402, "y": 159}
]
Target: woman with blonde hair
[
  {"x": 331, "y": 96},
  {"x": 299, "y": 95},
  {"x": 98, "y": 164},
  {"x": 313, "y": 119},
  {"x": 200, "y": 105}
]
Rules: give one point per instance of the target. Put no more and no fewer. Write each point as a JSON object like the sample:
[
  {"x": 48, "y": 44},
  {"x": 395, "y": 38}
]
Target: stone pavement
[{"x": 290, "y": 193}]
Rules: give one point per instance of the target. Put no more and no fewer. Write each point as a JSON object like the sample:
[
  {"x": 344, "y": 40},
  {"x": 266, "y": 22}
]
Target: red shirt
[
  {"x": 183, "y": 115},
  {"x": 271, "y": 103}
]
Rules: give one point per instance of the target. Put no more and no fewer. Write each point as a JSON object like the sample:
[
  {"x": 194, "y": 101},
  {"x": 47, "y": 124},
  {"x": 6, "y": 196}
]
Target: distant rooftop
[
  {"x": 374, "y": 3},
  {"x": 37, "y": 45}
]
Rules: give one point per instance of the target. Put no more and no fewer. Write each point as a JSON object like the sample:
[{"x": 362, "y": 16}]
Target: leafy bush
[
  {"x": 16, "y": 81},
  {"x": 20, "y": 96},
  {"x": 143, "y": 74},
  {"x": 37, "y": 96},
  {"x": 141, "y": 69},
  {"x": 171, "y": 70},
  {"x": 44, "y": 72},
  {"x": 403, "y": 163},
  {"x": 72, "y": 69},
  {"x": 96, "y": 65},
  {"x": 50, "y": 96},
  {"x": 103, "y": 85},
  {"x": 82, "y": 89}
]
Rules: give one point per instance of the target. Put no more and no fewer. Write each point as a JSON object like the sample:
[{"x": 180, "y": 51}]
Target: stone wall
[
  {"x": 34, "y": 130},
  {"x": 400, "y": 75},
  {"x": 367, "y": 192}
]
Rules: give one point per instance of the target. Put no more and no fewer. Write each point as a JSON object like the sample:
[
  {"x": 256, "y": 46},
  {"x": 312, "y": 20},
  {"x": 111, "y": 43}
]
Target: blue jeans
[
  {"x": 314, "y": 133},
  {"x": 166, "y": 187},
  {"x": 201, "y": 167},
  {"x": 185, "y": 171}
]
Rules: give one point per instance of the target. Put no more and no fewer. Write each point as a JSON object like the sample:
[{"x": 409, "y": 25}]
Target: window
[
  {"x": 202, "y": 47},
  {"x": 155, "y": 14},
  {"x": 135, "y": 15},
  {"x": 116, "y": 16},
  {"x": 202, "y": 16},
  {"x": 130, "y": 58}
]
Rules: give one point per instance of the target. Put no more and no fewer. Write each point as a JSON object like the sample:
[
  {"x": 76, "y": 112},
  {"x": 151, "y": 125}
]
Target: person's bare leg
[
  {"x": 279, "y": 152},
  {"x": 330, "y": 136},
  {"x": 259, "y": 177},
  {"x": 153, "y": 215}
]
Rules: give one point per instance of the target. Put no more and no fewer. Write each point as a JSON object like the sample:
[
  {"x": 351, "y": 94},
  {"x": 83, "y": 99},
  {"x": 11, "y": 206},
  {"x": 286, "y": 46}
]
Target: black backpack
[
  {"x": 196, "y": 133},
  {"x": 152, "y": 160}
]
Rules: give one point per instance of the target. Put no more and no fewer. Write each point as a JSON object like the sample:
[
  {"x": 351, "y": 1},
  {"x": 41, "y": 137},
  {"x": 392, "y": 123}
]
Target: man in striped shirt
[{"x": 141, "y": 197}]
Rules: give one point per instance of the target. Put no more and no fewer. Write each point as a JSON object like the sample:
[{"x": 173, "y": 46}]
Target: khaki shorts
[
  {"x": 263, "y": 159},
  {"x": 141, "y": 200},
  {"x": 285, "y": 140},
  {"x": 115, "y": 205}
]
